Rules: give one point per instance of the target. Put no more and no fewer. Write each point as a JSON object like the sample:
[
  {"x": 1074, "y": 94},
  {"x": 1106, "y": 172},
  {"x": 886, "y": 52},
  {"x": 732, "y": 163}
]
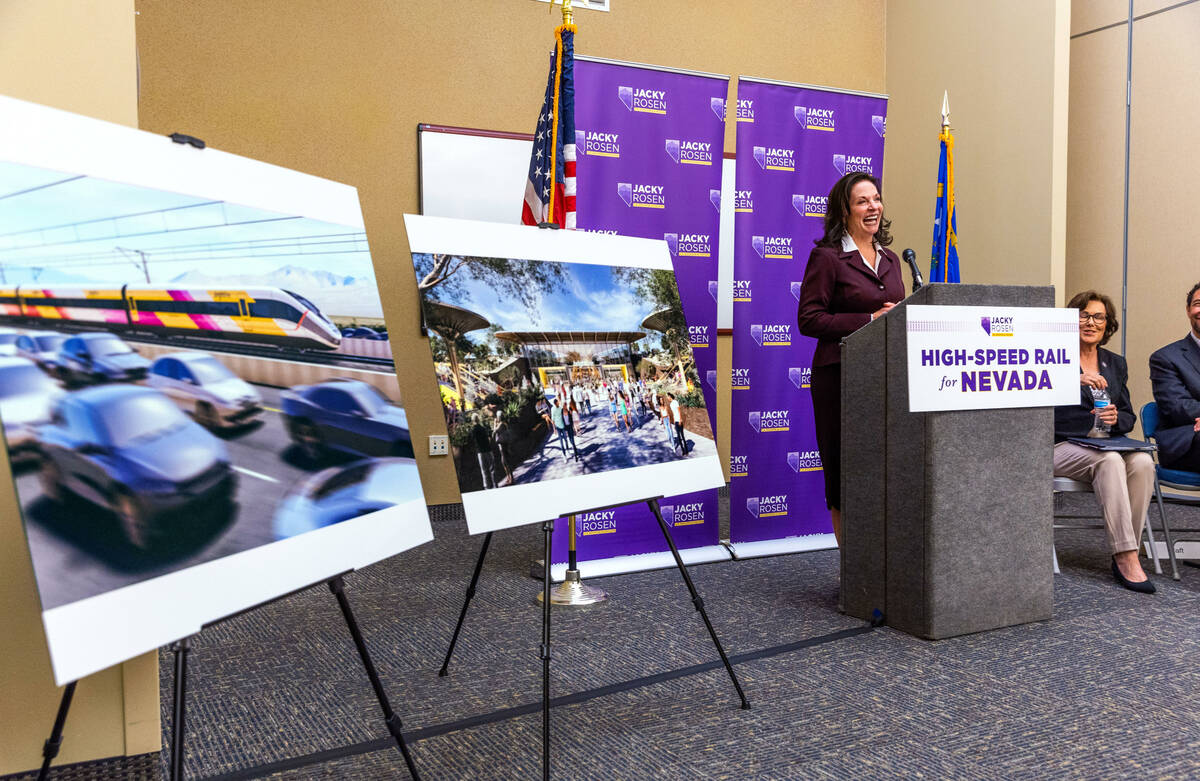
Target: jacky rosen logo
[
  {"x": 880, "y": 124},
  {"x": 743, "y": 201},
  {"x": 687, "y": 152},
  {"x": 596, "y": 522},
  {"x": 800, "y": 376},
  {"x": 689, "y": 245},
  {"x": 597, "y": 143},
  {"x": 775, "y": 158},
  {"x": 767, "y": 506},
  {"x": 642, "y": 100},
  {"x": 815, "y": 118},
  {"x": 810, "y": 205},
  {"x": 770, "y": 420},
  {"x": 713, "y": 287},
  {"x": 698, "y": 336},
  {"x": 804, "y": 461},
  {"x": 710, "y": 377},
  {"x": 771, "y": 334},
  {"x": 645, "y": 196},
  {"x": 739, "y": 466},
  {"x": 796, "y": 289},
  {"x": 745, "y": 110},
  {"x": 772, "y": 247},
  {"x": 997, "y": 326},
  {"x": 718, "y": 107},
  {"x": 688, "y": 514},
  {"x": 847, "y": 164},
  {"x": 741, "y": 291},
  {"x": 741, "y": 379},
  {"x": 714, "y": 197}
]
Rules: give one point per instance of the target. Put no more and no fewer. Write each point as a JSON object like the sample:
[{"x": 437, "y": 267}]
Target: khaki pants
[{"x": 1123, "y": 482}]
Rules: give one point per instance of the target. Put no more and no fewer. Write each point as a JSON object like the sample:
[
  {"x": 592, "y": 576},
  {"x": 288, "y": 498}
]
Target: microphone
[{"x": 910, "y": 258}]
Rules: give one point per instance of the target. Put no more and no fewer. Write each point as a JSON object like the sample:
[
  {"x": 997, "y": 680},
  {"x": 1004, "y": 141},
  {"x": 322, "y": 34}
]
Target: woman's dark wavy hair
[
  {"x": 1081, "y": 300},
  {"x": 837, "y": 208}
]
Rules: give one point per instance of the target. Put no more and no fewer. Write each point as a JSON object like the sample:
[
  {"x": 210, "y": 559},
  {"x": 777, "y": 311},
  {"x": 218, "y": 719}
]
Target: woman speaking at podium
[{"x": 851, "y": 279}]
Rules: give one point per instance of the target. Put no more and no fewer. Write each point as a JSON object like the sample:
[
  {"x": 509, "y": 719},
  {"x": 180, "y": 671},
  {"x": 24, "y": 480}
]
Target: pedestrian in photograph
[
  {"x": 677, "y": 422},
  {"x": 482, "y": 437},
  {"x": 664, "y": 414},
  {"x": 571, "y": 418},
  {"x": 623, "y": 409},
  {"x": 577, "y": 396},
  {"x": 558, "y": 414},
  {"x": 502, "y": 436},
  {"x": 612, "y": 409}
]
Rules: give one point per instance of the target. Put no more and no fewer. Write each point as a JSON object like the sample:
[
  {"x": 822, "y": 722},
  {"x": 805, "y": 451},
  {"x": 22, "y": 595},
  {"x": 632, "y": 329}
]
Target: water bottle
[{"x": 1100, "y": 400}]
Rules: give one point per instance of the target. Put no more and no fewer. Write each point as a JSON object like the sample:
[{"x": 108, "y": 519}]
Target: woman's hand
[
  {"x": 1106, "y": 414},
  {"x": 883, "y": 311},
  {"x": 1093, "y": 380}
]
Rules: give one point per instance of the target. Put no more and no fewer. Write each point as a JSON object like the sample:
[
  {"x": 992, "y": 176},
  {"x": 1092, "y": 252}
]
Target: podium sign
[{"x": 984, "y": 357}]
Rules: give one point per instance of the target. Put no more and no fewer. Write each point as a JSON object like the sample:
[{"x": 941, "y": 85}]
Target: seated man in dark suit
[{"x": 1175, "y": 376}]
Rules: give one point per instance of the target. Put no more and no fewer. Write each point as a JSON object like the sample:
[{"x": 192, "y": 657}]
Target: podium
[{"x": 946, "y": 516}]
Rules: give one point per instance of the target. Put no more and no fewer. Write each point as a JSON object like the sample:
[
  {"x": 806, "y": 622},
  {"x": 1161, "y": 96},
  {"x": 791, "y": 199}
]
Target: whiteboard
[{"x": 480, "y": 175}]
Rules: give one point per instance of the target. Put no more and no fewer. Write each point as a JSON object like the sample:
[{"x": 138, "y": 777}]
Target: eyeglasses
[{"x": 1099, "y": 318}]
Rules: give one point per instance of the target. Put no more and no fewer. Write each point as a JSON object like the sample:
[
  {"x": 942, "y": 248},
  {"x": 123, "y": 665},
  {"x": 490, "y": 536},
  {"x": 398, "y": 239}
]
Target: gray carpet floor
[{"x": 1110, "y": 688}]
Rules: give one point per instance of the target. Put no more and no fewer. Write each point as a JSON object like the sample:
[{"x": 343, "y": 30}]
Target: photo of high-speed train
[{"x": 264, "y": 315}]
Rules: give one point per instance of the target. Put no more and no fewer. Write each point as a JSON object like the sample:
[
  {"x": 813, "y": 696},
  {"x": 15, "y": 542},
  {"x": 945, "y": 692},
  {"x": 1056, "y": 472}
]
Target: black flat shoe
[{"x": 1144, "y": 587}]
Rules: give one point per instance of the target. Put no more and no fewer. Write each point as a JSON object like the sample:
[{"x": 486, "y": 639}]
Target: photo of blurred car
[
  {"x": 205, "y": 387},
  {"x": 99, "y": 357},
  {"x": 345, "y": 415},
  {"x": 41, "y": 347},
  {"x": 340, "y": 493},
  {"x": 130, "y": 450},
  {"x": 8, "y": 341},
  {"x": 26, "y": 398}
]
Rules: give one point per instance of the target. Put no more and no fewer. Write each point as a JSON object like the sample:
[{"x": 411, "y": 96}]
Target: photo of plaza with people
[{"x": 551, "y": 370}]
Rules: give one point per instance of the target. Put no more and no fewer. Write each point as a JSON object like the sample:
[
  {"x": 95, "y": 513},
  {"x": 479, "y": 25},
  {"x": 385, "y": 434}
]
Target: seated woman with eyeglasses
[{"x": 1123, "y": 481}]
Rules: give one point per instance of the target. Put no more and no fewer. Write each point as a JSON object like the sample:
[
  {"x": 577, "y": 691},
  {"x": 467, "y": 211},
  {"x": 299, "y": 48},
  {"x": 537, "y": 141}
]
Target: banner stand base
[
  {"x": 808, "y": 542},
  {"x": 639, "y": 562}
]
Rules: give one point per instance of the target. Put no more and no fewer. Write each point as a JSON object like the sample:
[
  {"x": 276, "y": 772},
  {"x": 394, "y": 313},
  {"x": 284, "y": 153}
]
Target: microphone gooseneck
[{"x": 910, "y": 258}]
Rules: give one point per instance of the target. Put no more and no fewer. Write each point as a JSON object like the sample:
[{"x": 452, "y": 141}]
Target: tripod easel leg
[
  {"x": 179, "y": 707},
  {"x": 544, "y": 652},
  {"x": 390, "y": 717},
  {"x": 487, "y": 540},
  {"x": 696, "y": 600},
  {"x": 54, "y": 742}
]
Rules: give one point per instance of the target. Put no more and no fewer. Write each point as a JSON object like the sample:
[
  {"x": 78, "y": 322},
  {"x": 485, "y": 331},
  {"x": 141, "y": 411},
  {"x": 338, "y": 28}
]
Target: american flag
[{"x": 551, "y": 154}]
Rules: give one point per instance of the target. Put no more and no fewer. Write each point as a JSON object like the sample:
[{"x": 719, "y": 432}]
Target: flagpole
[
  {"x": 945, "y": 259},
  {"x": 567, "y": 25}
]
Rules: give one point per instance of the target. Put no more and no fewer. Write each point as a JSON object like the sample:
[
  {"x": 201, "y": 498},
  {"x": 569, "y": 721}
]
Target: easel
[
  {"x": 181, "y": 649},
  {"x": 544, "y": 648}
]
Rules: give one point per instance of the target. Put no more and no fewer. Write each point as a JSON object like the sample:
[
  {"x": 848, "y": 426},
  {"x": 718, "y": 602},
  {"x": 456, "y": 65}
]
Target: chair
[
  {"x": 1172, "y": 478},
  {"x": 1065, "y": 485}
]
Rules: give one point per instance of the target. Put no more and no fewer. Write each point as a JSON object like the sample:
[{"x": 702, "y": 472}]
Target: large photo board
[
  {"x": 565, "y": 369},
  {"x": 196, "y": 388}
]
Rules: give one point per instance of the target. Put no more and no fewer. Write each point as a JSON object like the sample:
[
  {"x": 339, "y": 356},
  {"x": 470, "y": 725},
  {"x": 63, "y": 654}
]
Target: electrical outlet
[{"x": 439, "y": 444}]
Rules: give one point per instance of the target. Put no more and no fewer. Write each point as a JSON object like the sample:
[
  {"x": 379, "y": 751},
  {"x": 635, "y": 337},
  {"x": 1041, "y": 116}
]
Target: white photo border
[
  {"x": 517, "y": 505},
  {"x": 98, "y": 632}
]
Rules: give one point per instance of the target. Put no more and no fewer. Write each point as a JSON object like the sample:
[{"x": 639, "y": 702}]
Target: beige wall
[
  {"x": 337, "y": 90},
  {"x": 77, "y": 55},
  {"x": 1163, "y": 168},
  {"x": 1005, "y": 66}
]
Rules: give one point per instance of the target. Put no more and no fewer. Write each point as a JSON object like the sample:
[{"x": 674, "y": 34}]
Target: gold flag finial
[{"x": 568, "y": 16}]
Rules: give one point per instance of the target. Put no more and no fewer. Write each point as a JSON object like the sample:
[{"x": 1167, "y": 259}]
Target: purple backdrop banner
[
  {"x": 793, "y": 143},
  {"x": 649, "y": 145}
]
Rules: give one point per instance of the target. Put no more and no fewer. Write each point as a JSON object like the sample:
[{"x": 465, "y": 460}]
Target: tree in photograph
[
  {"x": 442, "y": 276},
  {"x": 659, "y": 286}
]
